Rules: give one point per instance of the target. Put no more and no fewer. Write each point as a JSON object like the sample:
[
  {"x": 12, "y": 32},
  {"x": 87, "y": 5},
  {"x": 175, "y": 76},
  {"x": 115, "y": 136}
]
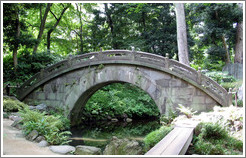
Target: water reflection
[{"x": 99, "y": 134}]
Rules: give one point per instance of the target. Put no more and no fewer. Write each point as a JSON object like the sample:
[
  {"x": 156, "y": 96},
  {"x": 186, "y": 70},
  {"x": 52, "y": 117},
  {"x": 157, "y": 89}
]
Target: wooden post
[{"x": 230, "y": 96}]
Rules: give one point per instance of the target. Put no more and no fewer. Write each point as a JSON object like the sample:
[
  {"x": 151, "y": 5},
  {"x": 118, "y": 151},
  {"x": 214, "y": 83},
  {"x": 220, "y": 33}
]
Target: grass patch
[
  {"x": 213, "y": 139},
  {"x": 154, "y": 137}
]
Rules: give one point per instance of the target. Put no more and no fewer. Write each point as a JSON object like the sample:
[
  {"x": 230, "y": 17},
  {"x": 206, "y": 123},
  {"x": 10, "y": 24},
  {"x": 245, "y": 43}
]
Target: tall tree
[
  {"x": 55, "y": 25},
  {"x": 111, "y": 25},
  {"x": 15, "y": 29},
  {"x": 42, "y": 25},
  {"x": 239, "y": 41},
  {"x": 80, "y": 33},
  {"x": 182, "y": 34}
]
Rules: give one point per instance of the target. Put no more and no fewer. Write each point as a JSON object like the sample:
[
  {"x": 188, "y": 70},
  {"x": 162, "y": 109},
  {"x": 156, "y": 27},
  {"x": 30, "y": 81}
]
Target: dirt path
[{"x": 14, "y": 142}]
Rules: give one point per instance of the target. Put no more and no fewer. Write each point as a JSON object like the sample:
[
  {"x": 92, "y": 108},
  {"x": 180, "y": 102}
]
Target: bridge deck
[{"x": 176, "y": 142}]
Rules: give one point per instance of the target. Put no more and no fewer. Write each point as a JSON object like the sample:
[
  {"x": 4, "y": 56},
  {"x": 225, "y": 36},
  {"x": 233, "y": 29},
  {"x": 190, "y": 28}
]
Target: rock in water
[
  {"x": 87, "y": 150},
  {"x": 62, "y": 149},
  {"x": 123, "y": 147}
]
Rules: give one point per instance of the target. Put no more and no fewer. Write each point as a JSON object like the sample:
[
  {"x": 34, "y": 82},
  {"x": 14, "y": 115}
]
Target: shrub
[
  {"x": 12, "y": 105},
  {"x": 207, "y": 148},
  {"x": 214, "y": 131},
  {"x": 154, "y": 137},
  {"x": 220, "y": 77},
  {"x": 51, "y": 127},
  {"x": 213, "y": 139}
]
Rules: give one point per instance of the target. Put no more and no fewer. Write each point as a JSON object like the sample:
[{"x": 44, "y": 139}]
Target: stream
[{"x": 99, "y": 134}]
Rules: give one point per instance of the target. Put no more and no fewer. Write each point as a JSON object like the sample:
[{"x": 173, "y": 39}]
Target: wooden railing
[{"x": 131, "y": 57}]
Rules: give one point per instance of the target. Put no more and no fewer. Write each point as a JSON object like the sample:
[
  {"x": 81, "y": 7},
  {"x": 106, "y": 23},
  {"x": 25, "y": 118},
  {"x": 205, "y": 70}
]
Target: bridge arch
[{"x": 70, "y": 83}]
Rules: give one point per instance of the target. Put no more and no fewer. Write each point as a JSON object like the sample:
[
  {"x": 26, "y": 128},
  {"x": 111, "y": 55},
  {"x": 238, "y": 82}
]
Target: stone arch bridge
[{"x": 70, "y": 83}]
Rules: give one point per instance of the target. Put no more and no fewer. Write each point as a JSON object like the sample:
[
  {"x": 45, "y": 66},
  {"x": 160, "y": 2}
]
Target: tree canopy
[{"x": 78, "y": 28}]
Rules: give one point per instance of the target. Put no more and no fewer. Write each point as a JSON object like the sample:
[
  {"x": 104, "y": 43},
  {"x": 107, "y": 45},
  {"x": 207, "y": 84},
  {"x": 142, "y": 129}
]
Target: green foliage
[
  {"x": 214, "y": 131},
  {"x": 12, "y": 105},
  {"x": 233, "y": 84},
  {"x": 154, "y": 137},
  {"x": 51, "y": 127},
  {"x": 186, "y": 110},
  {"x": 27, "y": 67},
  {"x": 213, "y": 139},
  {"x": 220, "y": 77},
  {"x": 239, "y": 103},
  {"x": 56, "y": 137},
  {"x": 167, "y": 119},
  {"x": 118, "y": 99}
]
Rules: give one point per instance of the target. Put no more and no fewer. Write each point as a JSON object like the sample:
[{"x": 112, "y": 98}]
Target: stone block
[
  {"x": 183, "y": 91},
  {"x": 184, "y": 84},
  {"x": 47, "y": 88},
  {"x": 198, "y": 107},
  {"x": 198, "y": 99},
  {"x": 175, "y": 82},
  {"x": 51, "y": 96},
  {"x": 162, "y": 82},
  {"x": 209, "y": 100},
  {"x": 199, "y": 92},
  {"x": 40, "y": 95},
  {"x": 60, "y": 96}
]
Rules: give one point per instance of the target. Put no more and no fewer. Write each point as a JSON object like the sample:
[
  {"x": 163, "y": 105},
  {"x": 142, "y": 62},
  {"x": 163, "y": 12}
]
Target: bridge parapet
[{"x": 128, "y": 57}]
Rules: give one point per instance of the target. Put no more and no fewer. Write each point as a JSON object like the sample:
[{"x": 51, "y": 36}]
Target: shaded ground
[{"x": 14, "y": 143}]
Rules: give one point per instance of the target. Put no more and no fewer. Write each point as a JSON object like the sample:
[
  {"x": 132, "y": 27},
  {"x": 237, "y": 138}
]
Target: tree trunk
[
  {"x": 110, "y": 23},
  {"x": 79, "y": 10},
  {"x": 181, "y": 34},
  {"x": 239, "y": 44},
  {"x": 16, "y": 45},
  {"x": 54, "y": 27},
  {"x": 239, "y": 41},
  {"x": 42, "y": 26},
  {"x": 227, "y": 55}
]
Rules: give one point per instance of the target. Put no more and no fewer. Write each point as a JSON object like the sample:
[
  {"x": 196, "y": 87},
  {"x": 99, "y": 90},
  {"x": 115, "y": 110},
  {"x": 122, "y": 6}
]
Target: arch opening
[{"x": 114, "y": 101}]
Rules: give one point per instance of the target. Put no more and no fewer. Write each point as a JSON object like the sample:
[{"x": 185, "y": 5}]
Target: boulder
[
  {"x": 62, "y": 149},
  {"x": 32, "y": 135},
  {"x": 122, "y": 147},
  {"x": 32, "y": 107},
  {"x": 39, "y": 139},
  {"x": 43, "y": 143},
  {"x": 15, "y": 118},
  {"x": 41, "y": 107},
  {"x": 17, "y": 124},
  {"x": 87, "y": 150}
]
